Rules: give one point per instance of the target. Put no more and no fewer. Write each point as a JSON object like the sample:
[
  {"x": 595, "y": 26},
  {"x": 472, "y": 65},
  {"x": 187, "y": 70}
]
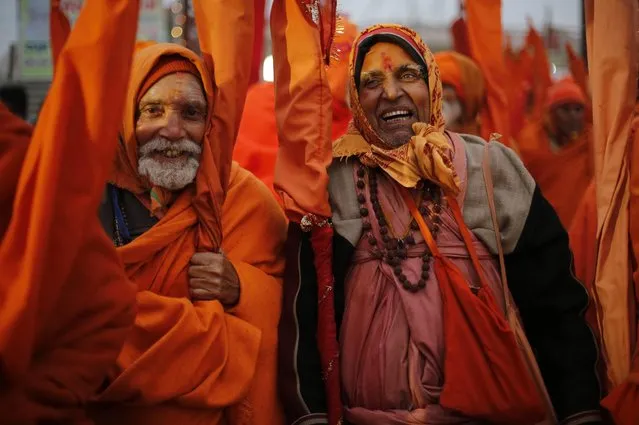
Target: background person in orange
[
  {"x": 65, "y": 302},
  {"x": 463, "y": 91},
  {"x": 257, "y": 142},
  {"x": 558, "y": 149}
]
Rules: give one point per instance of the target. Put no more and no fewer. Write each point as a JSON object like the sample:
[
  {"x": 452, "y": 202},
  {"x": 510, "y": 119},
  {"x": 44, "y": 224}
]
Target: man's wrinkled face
[
  {"x": 451, "y": 107},
  {"x": 569, "y": 120},
  {"x": 170, "y": 127},
  {"x": 393, "y": 93}
]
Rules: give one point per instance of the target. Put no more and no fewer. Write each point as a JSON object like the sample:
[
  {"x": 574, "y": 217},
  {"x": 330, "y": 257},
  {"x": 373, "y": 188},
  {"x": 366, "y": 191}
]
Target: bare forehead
[{"x": 179, "y": 86}]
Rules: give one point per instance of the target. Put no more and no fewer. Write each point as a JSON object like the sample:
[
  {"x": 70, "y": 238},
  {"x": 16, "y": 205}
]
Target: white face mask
[{"x": 452, "y": 111}]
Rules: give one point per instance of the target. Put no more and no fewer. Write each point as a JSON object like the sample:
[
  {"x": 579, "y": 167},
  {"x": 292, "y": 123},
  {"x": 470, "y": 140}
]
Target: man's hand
[{"x": 213, "y": 277}]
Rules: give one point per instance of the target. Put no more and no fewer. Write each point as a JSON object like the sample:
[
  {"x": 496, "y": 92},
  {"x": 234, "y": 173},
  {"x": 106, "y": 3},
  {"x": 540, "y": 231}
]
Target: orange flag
[
  {"x": 486, "y": 41},
  {"x": 59, "y": 30},
  {"x": 612, "y": 48},
  {"x": 65, "y": 304}
]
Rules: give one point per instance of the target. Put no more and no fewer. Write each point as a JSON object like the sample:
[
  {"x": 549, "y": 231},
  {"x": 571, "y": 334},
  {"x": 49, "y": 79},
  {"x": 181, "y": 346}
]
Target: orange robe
[
  {"x": 195, "y": 362},
  {"x": 563, "y": 176},
  {"x": 65, "y": 303}
]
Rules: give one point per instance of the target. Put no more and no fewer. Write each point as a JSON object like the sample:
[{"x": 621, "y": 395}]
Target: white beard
[
  {"x": 452, "y": 112},
  {"x": 169, "y": 175}
]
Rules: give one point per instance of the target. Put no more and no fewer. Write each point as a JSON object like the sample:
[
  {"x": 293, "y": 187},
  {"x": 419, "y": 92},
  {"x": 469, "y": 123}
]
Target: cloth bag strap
[{"x": 511, "y": 311}]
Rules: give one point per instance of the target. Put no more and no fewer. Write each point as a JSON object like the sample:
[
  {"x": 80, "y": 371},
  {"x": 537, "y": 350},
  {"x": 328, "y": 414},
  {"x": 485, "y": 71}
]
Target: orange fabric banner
[
  {"x": 65, "y": 303},
  {"x": 612, "y": 51},
  {"x": 486, "y": 40},
  {"x": 303, "y": 110}
]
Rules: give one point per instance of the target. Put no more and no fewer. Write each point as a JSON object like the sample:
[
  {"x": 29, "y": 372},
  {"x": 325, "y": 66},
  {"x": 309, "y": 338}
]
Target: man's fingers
[
  {"x": 205, "y": 284},
  {"x": 206, "y": 258},
  {"x": 205, "y": 272},
  {"x": 201, "y": 294}
]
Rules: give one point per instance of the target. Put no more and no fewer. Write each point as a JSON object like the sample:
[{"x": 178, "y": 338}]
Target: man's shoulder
[{"x": 246, "y": 189}]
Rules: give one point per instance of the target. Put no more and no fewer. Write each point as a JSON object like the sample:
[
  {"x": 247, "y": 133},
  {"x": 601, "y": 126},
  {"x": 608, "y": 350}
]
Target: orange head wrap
[
  {"x": 167, "y": 65},
  {"x": 427, "y": 155},
  {"x": 564, "y": 91},
  {"x": 463, "y": 74}
]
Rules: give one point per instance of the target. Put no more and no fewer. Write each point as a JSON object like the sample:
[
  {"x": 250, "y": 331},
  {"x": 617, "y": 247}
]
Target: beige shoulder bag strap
[{"x": 511, "y": 311}]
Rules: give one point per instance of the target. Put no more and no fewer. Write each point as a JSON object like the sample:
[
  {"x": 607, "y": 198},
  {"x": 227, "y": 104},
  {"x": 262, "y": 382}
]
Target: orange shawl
[
  {"x": 65, "y": 304},
  {"x": 210, "y": 356}
]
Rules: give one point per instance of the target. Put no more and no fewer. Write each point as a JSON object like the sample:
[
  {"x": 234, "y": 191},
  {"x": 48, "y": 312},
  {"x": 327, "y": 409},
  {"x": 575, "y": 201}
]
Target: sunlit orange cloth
[
  {"x": 211, "y": 359},
  {"x": 428, "y": 154},
  {"x": 463, "y": 74},
  {"x": 65, "y": 303},
  {"x": 612, "y": 53},
  {"x": 485, "y": 35},
  {"x": 624, "y": 399}
]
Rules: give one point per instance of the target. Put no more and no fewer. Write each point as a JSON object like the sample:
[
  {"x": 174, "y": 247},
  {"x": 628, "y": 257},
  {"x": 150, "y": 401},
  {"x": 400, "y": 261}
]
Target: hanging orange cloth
[
  {"x": 65, "y": 303},
  {"x": 225, "y": 358},
  {"x": 562, "y": 173},
  {"x": 257, "y": 143},
  {"x": 624, "y": 399},
  {"x": 465, "y": 77},
  {"x": 485, "y": 34},
  {"x": 612, "y": 52}
]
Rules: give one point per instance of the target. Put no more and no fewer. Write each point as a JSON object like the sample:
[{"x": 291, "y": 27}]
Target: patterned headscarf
[{"x": 428, "y": 154}]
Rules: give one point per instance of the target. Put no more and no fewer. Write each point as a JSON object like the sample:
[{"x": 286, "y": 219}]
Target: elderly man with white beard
[{"x": 185, "y": 220}]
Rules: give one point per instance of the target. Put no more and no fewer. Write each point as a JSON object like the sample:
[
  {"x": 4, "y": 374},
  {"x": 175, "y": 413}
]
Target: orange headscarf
[
  {"x": 463, "y": 74},
  {"x": 205, "y": 199},
  {"x": 428, "y": 154},
  {"x": 564, "y": 91}
]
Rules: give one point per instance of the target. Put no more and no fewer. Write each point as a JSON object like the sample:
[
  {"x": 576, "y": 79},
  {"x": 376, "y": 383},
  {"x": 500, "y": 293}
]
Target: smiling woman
[{"x": 393, "y": 93}]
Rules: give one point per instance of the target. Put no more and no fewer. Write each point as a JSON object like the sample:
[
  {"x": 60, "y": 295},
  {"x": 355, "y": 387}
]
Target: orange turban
[
  {"x": 463, "y": 74},
  {"x": 564, "y": 91},
  {"x": 165, "y": 66}
]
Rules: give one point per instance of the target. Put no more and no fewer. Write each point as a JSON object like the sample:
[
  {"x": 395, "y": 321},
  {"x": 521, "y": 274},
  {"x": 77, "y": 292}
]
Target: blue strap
[{"x": 119, "y": 218}]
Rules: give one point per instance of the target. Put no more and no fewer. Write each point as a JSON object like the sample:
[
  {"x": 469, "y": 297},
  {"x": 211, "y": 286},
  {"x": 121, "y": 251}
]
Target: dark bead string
[
  {"x": 393, "y": 250},
  {"x": 117, "y": 237}
]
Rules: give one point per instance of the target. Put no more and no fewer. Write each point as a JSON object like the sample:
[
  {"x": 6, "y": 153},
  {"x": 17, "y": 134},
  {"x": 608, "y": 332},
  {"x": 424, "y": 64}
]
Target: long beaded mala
[{"x": 393, "y": 250}]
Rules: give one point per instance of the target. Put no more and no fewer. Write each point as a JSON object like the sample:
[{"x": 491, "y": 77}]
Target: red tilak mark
[{"x": 387, "y": 62}]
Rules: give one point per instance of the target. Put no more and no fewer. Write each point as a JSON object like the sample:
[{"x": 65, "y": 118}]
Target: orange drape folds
[
  {"x": 65, "y": 304},
  {"x": 211, "y": 359},
  {"x": 225, "y": 32},
  {"x": 59, "y": 29},
  {"x": 485, "y": 37},
  {"x": 15, "y": 134},
  {"x": 612, "y": 51}
]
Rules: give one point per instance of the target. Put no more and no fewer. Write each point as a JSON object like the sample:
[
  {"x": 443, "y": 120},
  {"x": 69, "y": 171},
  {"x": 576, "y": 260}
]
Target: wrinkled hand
[{"x": 213, "y": 277}]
